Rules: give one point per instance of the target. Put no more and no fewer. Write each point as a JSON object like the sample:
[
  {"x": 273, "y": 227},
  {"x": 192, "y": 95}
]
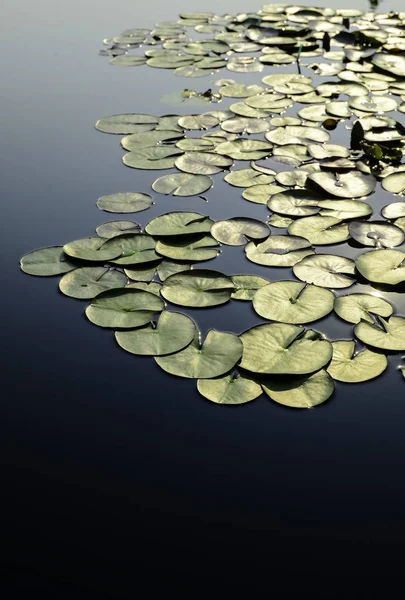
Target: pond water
[{"x": 104, "y": 456}]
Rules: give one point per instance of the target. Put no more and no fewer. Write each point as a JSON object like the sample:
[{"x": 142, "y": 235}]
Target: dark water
[{"x": 115, "y": 474}]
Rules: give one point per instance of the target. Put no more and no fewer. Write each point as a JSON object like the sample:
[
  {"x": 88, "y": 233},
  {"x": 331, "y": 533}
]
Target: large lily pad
[
  {"x": 344, "y": 185},
  {"x": 300, "y": 392},
  {"x": 87, "y": 282},
  {"x": 247, "y": 178},
  {"x": 124, "y": 308},
  {"x": 229, "y": 389},
  {"x": 376, "y": 233},
  {"x": 394, "y": 183},
  {"x": 389, "y": 335},
  {"x": 295, "y": 203},
  {"x": 382, "y": 266},
  {"x": 46, "y": 262},
  {"x": 354, "y": 367},
  {"x": 360, "y": 307},
  {"x": 172, "y": 333},
  {"x": 282, "y": 349},
  {"x": 219, "y": 353},
  {"x": 320, "y": 230},
  {"x": 293, "y": 302},
  {"x": 279, "y": 251},
  {"x": 125, "y": 124},
  {"x": 326, "y": 270},
  {"x": 198, "y": 288}
]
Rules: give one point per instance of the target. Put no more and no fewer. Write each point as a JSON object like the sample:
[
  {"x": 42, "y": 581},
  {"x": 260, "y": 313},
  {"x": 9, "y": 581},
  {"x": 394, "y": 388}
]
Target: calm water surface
[{"x": 112, "y": 469}]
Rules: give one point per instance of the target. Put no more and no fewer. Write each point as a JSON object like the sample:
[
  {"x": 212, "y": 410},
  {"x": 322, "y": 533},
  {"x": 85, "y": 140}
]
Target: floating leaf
[
  {"x": 389, "y": 336},
  {"x": 394, "y": 183},
  {"x": 295, "y": 203},
  {"x": 124, "y": 124},
  {"x": 394, "y": 210},
  {"x": 245, "y": 125},
  {"x": 382, "y": 266},
  {"x": 193, "y": 249},
  {"x": 300, "y": 392},
  {"x": 86, "y": 282},
  {"x": 360, "y": 307},
  {"x": 182, "y": 184},
  {"x": 179, "y": 223},
  {"x": 351, "y": 367},
  {"x": 125, "y": 202},
  {"x": 260, "y": 194},
  {"x": 157, "y": 158},
  {"x": 246, "y": 286},
  {"x": 229, "y": 389},
  {"x": 143, "y": 272},
  {"x": 114, "y": 228},
  {"x": 392, "y": 63},
  {"x": 326, "y": 270},
  {"x": 281, "y": 349},
  {"x": 374, "y": 104},
  {"x": 170, "y": 267},
  {"x": 94, "y": 249},
  {"x": 123, "y": 308},
  {"x": 247, "y": 178},
  {"x": 217, "y": 355},
  {"x": 376, "y": 233},
  {"x": 128, "y": 61},
  {"x": 240, "y": 90},
  {"x": 239, "y": 230},
  {"x": 203, "y": 163},
  {"x": 320, "y": 230},
  {"x": 345, "y": 185},
  {"x": 153, "y": 286},
  {"x": 293, "y": 302},
  {"x": 199, "y": 288},
  {"x": 135, "y": 249},
  {"x": 244, "y": 149},
  {"x": 279, "y": 251},
  {"x": 344, "y": 209},
  {"x": 47, "y": 262},
  {"x": 149, "y": 139},
  {"x": 172, "y": 333}
]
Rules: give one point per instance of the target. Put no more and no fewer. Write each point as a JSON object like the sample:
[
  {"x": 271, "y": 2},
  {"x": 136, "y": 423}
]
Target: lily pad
[
  {"x": 219, "y": 353},
  {"x": 182, "y": 184},
  {"x": 246, "y": 286},
  {"x": 46, "y": 262},
  {"x": 382, "y": 266},
  {"x": 125, "y": 202},
  {"x": 237, "y": 231},
  {"x": 135, "y": 249},
  {"x": 172, "y": 333},
  {"x": 293, "y": 302},
  {"x": 245, "y": 149},
  {"x": 123, "y": 308},
  {"x": 86, "y": 282},
  {"x": 295, "y": 203},
  {"x": 94, "y": 249},
  {"x": 360, "y": 307},
  {"x": 260, "y": 194},
  {"x": 279, "y": 251},
  {"x": 394, "y": 183},
  {"x": 390, "y": 335},
  {"x": 326, "y": 270},
  {"x": 198, "y": 288},
  {"x": 395, "y": 210},
  {"x": 320, "y": 230},
  {"x": 345, "y": 185},
  {"x": 300, "y": 392},
  {"x": 114, "y": 228},
  {"x": 229, "y": 389},
  {"x": 179, "y": 223},
  {"x": 193, "y": 249},
  {"x": 203, "y": 163},
  {"x": 154, "y": 159},
  {"x": 247, "y": 178},
  {"x": 125, "y": 124},
  {"x": 344, "y": 209},
  {"x": 354, "y": 367},
  {"x": 376, "y": 233},
  {"x": 281, "y": 349}
]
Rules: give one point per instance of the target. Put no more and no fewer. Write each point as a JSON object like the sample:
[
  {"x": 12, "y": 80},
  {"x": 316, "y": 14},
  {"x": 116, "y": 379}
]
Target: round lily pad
[
  {"x": 135, "y": 249},
  {"x": 47, "y": 262},
  {"x": 376, "y": 233},
  {"x": 395, "y": 210},
  {"x": 389, "y": 335},
  {"x": 182, "y": 184},
  {"x": 199, "y": 288},
  {"x": 360, "y": 307},
  {"x": 354, "y": 367},
  {"x": 229, "y": 389},
  {"x": 247, "y": 178},
  {"x": 172, "y": 333},
  {"x": 261, "y": 193},
  {"x": 246, "y": 286},
  {"x": 300, "y": 392},
  {"x": 179, "y": 223},
  {"x": 219, "y": 353},
  {"x": 203, "y": 163},
  {"x": 114, "y": 228},
  {"x": 87, "y": 282},
  {"x": 160, "y": 157},
  {"x": 239, "y": 231},
  {"x": 326, "y": 270},
  {"x": 345, "y": 185},
  {"x": 281, "y": 349},
  {"x": 191, "y": 248},
  {"x": 123, "y": 308},
  {"x": 293, "y": 302},
  {"x": 382, "y": 266},
  {"x": 125, "y": 202},
  {"x": 394, "y": 183},
  {"x": 295, "y": 203},
  {"x": 124, "y": 124},
  {"x": 279, "y": 251}
]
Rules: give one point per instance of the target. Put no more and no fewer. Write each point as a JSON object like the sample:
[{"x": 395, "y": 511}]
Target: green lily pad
[
  {"x": 123, "y": 308},
  {"x": 195, "y": 145},
  {"x": 360, "y": 307},
  {"x": 198, "y": 288},
  {"x": 376, "y": 233},
  {"x": 203, "y": 163},
  {"x": 135, "y": 249},
  {"x": 128, "y": 61},
  {"x": 279, "y": 221},
  {"x": 229, "y": 389},
  {"x": 300, "y": 392},
  {"x": 344, "y": 185},
  {"x": 320, "y": 230},
  {"x": 382, "y": 266},
  {"x": 125, "y": 124},
  {"x": 389, "y": 336},
  {"x": 46, "y": 262},
  {"x": 394, "y": 183},
  {"x": 354, "y": 367},
  {"x": 395, "y": 210},
  {"x": 143, "y": 272},
  {"x": 170, "y": 267},
  {"x": 392, "y": 63},
  {"x": 114, "y": 228},
  {"x": 246, "y": 286},
  {"x": 326, "y": 270},
  {"x": 217, "y": 355},
  {"x": 179, "y": 223},
  {"x": 245, "y": 125},
  {"x": 125, "y": 202},
  {"x": 237, "y": 231},
  {"x": 344, "y": 209},
  {"x": 182, "y": 184},
  {"x": 149, "y": 139},
  {"x": 260, "y": 194},
  {"x": 240, "y": 90},
  {"x": 173, "y": 332},
  {"x": 94, "y": 249},
  {"x": 153, "y": 287},
  {"x": 86, "y": 282},
  {"x": 293, "y": 302},
  {"x": 296, "y": 135},
  {"x": 281, "y": 349},
  {"x": 374, "y": 104},
  {"x": 321, "y": 151},
  {"x": 245, "y": 149},
  {"x": 295, "y": 203},
  {"x": 247, "y": 178},
  {"x": 154, "y": 159},
  {"x": 193, "y": 249},
  {"x": 279, "y": 251}
]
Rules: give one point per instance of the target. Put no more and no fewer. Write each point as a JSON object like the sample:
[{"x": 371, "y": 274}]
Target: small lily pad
[
  {"x": 229, "y": 389},
  {"x": 279, "y": 251},
  {"x": 125, "y": 202},
  {"x": 203, "y": 163},
  {"x": 179, "y": 223},
  {"x": 182, "y": 184},
  {"x": 246, "y": 286},
  {"x": 320, "y": 230},
  {"x": 114, "y": 228}
]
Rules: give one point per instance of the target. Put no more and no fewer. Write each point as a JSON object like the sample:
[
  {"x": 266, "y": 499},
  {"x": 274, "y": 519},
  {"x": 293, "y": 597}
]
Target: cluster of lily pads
[{"x": 319, "y": 193}]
